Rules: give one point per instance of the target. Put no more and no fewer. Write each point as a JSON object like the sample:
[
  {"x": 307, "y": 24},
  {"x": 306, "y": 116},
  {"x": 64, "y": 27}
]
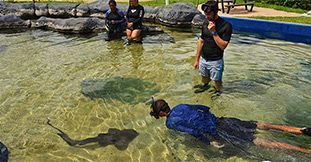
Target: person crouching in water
[
  {"x": 115, "y": 21},
  {"x": 197, "y": 121},
  {"x": 134, "y": 15}
]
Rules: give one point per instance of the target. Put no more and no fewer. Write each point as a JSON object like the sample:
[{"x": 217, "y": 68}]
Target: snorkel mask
[
  {"x": 153, "y": 105},
  {"x": 154, "y": 112}
]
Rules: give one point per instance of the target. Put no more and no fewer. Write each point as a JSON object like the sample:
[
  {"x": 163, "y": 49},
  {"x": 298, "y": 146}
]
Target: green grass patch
[
  {"x": 281, "y": 8},
  {"x": 299, "y": 20},
  {"x": 276, "y": 7}
]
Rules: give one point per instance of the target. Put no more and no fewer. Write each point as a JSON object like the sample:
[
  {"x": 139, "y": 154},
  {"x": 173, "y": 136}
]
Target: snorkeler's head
[{"x": 158, "y": 108}]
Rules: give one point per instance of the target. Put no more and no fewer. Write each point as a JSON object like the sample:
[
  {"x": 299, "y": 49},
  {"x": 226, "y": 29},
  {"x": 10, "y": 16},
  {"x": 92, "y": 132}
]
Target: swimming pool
[{"x": 43, "y": 74}]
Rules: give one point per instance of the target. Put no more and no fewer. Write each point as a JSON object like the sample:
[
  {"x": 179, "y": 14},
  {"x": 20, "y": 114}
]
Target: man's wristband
[{"x": 214, "y": 33}]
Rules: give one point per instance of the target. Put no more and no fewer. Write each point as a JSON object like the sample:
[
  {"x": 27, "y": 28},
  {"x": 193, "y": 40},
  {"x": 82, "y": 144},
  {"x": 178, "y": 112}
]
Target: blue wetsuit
[
  {"x": 197, "y": 121},
  {"x": 193, "y": 119}
]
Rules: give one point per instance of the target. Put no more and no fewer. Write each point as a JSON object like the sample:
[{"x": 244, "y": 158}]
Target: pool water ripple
[{"x": 42, "y": 73}]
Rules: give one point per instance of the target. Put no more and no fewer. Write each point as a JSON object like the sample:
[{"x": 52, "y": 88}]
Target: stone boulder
[
  {"x": 41, "y": 9},
  {"x": 12, "y": 21},
  {"x": 97, "y": 10},
  {"x": 62, "y": 10},
  {"x": 151, "y": 30},
  {"x": 123, "y": 7},
  {"x": 83, "y": 10},
  {"x": 24, "y": 11},
  {"x": 177, "y": 14},
  {"x": 151, "y": 13},
  {"x": 198, "y": 20},
  {"x": 70, "y": 25}
]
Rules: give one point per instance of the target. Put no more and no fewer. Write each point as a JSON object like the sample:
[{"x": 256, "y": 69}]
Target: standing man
[{"x": 215, "y": 37}]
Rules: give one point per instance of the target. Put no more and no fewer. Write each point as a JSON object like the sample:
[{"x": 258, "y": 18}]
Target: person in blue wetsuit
[
  {"x": 4, "y": 153},
  {"x": 115, "y": 21},
  {"x": 199, "y": 122},
  {"x": 134, "y": 15}
]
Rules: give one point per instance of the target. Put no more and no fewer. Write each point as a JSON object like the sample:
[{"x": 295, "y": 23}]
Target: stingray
[{"x": 119, "y": 138}]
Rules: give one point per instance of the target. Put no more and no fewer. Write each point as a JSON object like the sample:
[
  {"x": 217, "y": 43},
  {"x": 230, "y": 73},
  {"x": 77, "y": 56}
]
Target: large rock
[
  {"x": 97, "y": 10},
  {"x": 150, "y": 30},
  {"x": 177, "y": 14},
  {"x": 62, "y": 10},
  {"x": 123, "y": 7},
  {"x": 198, "y": 20},
  {"x": 70, "y": 25},
  {"x": 151, "y": 13},
  {"x": 41, "y": 9},
  {"x": 83, "y": 10},
  {"x": 24, "y": 11},
  {"x": 12, "y": 21}
]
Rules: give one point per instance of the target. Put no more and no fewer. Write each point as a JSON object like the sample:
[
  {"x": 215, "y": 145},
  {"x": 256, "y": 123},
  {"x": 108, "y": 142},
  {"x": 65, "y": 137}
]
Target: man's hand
[
  {"x": 113, "y": 22},
  {"x": 196, "y": 65},
  {"x": 217, "y": 144},
  {"x": 211, "y": 26}
]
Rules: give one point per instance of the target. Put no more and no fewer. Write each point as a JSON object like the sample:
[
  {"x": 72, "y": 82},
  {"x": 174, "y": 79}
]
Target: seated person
[
  {"x": 199, "y": 122},
  {"x": 115, "y": 21},
  {"x": 134, "y": 15}
]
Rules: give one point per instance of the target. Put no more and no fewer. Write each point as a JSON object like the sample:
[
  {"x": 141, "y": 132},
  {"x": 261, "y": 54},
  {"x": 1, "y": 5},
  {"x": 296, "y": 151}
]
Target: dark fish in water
[{"x": 119, "y": 138}]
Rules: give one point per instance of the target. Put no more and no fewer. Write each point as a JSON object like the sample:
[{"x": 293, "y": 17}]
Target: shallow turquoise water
[{"x": 42, "y": 75}]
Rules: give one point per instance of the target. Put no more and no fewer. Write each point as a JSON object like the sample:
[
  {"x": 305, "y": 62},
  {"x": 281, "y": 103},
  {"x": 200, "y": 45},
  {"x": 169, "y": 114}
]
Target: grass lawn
[{"x": 276, "y": 7}]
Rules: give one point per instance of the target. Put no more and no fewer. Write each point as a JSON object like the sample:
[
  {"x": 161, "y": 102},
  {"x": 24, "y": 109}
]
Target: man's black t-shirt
[
  {"x": 135, "y": 14},
  {"x": 210, "y": 50}
]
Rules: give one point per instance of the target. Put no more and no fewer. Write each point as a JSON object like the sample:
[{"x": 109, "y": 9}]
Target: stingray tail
[{"x": 63, "y": 135}]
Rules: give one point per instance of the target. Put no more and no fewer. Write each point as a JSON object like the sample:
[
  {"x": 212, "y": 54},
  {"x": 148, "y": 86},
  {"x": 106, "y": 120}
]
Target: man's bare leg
[
  {"x": 290, "y": 129},
  {"x": 204, "y": 87},
  {"x": 279, "y": 145},
  {"x": 205, "y": 80},
  {"x": 218, "y": 85}
]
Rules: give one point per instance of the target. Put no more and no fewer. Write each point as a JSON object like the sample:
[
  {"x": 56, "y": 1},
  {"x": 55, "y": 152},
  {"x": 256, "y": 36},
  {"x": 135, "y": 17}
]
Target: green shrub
[{"x": 302, "y": 4}]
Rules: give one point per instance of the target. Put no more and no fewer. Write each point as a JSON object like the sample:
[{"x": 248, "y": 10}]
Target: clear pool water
[{"x": 42, "y": 75}]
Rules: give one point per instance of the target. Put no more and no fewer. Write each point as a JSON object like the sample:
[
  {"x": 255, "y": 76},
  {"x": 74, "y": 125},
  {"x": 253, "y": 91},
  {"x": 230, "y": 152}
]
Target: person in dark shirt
[
  {"x": 115, "y": 21},
  {"x": 135, "y": 14},
  {"x": 215, "y": 37},
  {"x": 199, "y": 122}
]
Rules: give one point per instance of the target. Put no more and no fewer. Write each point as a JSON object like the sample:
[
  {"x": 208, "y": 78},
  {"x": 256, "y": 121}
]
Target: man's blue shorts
[{"x": 211, "y": 69}]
